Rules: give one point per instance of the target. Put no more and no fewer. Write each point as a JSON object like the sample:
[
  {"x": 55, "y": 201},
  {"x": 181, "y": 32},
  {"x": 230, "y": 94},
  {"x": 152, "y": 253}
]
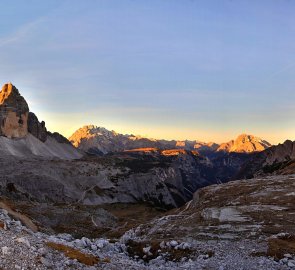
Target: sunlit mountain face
[{"x": 93, "y": 138}]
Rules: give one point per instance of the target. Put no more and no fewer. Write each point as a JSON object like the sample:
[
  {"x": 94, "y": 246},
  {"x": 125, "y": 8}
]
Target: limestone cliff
[
  {"x": 21, "y": 133},
  {"x": 14, "y": 112},
  {"x": 36, "y": 128}
]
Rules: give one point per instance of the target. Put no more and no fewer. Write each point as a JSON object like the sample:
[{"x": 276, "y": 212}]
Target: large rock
[{"x": 14, "y": 112}]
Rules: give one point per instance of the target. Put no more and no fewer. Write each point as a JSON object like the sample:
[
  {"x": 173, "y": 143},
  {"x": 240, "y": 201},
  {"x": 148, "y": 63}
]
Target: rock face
[
  {"x": 14, "y": 112},
  {"x": 244, "y": 144},
  {"x": 276, "y": 159},
  {"x": 254, "y": 214},
  {"x": 33, "y": 139},
  {"x": 36, "y": 128}
]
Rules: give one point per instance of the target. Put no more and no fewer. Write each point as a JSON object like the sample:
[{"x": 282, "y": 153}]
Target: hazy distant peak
[{"x": 244, "y": 143}]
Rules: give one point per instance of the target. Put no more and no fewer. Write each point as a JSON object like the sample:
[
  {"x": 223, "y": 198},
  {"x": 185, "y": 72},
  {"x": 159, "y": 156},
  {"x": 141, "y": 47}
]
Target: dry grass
[
  {"x": 130, "y": 216},
  {"x": 76, "y": 219},
  {"x": 2, "y": 225},
  {"x": 72, "y": 253},
  {"x": 18, "y": 216},
  {"x": 277, "y": 247}
]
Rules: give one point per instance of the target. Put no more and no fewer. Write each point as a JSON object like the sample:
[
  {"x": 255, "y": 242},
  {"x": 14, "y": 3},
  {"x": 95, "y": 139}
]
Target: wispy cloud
[
  {"x": 284, "y": 69},
  {"x": 20, "y": 34}
]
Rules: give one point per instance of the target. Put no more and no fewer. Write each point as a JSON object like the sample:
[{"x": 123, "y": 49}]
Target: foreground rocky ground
[
  {"x": 223, "y": 227},
  {"x": 21, "y": 248}
]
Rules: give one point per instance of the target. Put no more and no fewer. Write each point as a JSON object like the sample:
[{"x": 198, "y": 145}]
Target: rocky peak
[
  {"x": 245, "y": 143},
  {"x": 13, "y": 113},
  {"x": 16, "y": 121},
  {"x": 11, "y": 99}
]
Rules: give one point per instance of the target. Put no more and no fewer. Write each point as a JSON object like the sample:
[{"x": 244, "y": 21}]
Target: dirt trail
[{"x": 24, "y": 219}]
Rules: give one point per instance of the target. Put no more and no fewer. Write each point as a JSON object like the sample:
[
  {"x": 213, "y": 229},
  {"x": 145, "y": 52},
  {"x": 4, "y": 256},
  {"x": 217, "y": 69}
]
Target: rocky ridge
[
  {"x": 242, "y": 224},
  {"x": 278, "y": 159},
  {"x": 98, "y": 140}
]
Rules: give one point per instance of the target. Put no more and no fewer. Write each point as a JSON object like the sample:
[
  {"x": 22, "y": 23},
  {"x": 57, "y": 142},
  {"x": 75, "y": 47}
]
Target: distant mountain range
[{"x": 98, "y": 140}]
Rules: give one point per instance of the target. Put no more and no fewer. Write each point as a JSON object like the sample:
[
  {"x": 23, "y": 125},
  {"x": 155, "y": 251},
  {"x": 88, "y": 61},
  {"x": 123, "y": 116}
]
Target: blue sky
[{"x": 194, "y": 69}]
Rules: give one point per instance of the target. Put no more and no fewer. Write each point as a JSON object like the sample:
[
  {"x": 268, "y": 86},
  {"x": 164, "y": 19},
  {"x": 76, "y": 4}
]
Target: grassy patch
[
  {"x": 277, "y": 247},
  {"x": 72, "y": 253},
  {"x": 2, "y": 225}
]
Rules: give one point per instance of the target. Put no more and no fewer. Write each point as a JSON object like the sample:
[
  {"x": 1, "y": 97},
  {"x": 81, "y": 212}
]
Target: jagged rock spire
[{"x": 14, "y": 112}]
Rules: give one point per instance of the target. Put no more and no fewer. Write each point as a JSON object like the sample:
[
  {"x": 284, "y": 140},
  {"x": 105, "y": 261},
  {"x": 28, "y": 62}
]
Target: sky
[{"x": 203, "y": 70}]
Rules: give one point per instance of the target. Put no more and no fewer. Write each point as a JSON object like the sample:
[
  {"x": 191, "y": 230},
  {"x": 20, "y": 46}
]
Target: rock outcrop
[
  {"x": 36, "y": 128},
  {"x": 252, "y": 216},
  {"x": 14, "y": 112},
  {"x": 21, "y": 133}
]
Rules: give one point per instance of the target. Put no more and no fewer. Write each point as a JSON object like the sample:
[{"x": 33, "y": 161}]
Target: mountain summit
[{"x": 244, "y": 143}]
